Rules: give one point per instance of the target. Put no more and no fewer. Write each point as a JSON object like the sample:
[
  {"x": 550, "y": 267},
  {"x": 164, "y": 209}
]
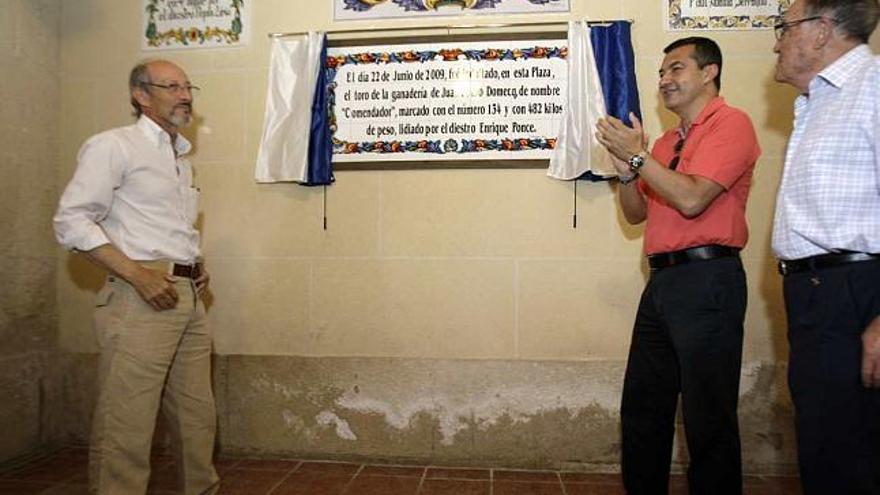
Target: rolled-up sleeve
[{"x": 89, "y": 195}]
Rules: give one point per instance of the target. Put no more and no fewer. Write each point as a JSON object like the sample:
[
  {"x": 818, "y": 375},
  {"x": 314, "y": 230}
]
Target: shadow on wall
[
  {"x": 84, "y": 274},
  {"x": 779, "y": 102}
]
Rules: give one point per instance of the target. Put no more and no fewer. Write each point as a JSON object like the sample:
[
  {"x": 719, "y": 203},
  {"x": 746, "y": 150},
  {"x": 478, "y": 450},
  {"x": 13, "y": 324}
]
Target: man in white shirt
[
  {"x": 131, "y": 208},
  {"x": 826, "y": 234}
]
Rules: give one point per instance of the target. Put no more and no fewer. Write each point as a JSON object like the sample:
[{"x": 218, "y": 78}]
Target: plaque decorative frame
[
  {"x": 723, "y": 15},
  {"x": 351, "y": 10},
  {"x": 175, "y": 24},
  {"x": 440, "y": 70}
]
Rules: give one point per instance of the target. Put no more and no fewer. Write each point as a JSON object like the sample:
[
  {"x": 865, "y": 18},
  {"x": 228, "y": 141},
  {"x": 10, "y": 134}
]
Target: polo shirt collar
[{"x": 707, "y": 111}]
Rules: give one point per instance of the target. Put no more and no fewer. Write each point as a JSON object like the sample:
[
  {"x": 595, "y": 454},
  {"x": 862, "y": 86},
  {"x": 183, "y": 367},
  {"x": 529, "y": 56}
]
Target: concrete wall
[
  {"x": 29, "y": 99},
  {"x": 445, "y": 316}
]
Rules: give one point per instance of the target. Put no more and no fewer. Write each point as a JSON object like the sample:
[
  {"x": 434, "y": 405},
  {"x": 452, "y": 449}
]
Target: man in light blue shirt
[{"x": 826, "y": 234}]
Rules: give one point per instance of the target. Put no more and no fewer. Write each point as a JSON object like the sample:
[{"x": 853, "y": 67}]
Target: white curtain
[
  {"x": 577, "y": 149},
  {"x": 293, "y": 73}
]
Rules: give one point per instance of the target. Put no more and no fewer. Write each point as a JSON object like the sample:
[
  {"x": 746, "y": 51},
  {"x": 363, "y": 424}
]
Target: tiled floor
[{"x": 64, "y": 473}]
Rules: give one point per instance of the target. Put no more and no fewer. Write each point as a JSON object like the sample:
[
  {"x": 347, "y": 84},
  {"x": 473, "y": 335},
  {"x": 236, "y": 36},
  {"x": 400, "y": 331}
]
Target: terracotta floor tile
[
  {"x": 455, "y": 487},
  {"x": 385, "y": 470},
  {"x": 165, "y": 478},
  {"x": 268, "y": 464},
  {"x": 222, "y": 464},
  {"x": 328, "y": 467},
  {"x": 781, "y": 485},
  {"x": 511, "y": 475},
  {"x": 594, "y": 489},
  {"x": 161, "y": 460},
  {"x": 678, "y": 484},
  {"x": 458, "y": 473},
  {"x": 74, "y": 452},
  {"x": 54, "y": 469},
  {"x": 64, "y": 473},
  {"x": 383, "y": 485},
  {"x": 81, "y": 478},
  {"x": 249, "y": 481},
  {"x": 15, "y": 487},
  {"x": 303, "y": 483},
  {"x": 67, "y": 489},
  {"x": 608, "y": 478},
  {"x": 526, "y": 488}
]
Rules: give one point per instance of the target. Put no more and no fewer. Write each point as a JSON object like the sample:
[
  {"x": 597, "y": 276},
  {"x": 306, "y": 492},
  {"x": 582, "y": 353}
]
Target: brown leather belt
[
  {"x": 187, "y": 271},
  {"x": 700, "y": 253},
  {"x": 787, "y": 267}
]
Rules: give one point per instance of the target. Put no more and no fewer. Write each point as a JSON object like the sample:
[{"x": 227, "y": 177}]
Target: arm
[
  {"x": 632, "y": 202},
  {"x": 689, "y": 194},
  {"x": 154, "y": 287}
]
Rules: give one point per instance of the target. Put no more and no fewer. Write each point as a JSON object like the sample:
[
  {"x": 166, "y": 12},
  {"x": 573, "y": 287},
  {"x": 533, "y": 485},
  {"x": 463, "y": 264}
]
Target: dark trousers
[
  {"x": 837, "y": 420},
  {"x": 687, "y": 339}
]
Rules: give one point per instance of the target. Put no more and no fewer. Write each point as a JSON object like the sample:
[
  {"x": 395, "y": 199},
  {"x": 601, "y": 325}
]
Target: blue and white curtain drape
[
  {"x": 296, "y": 145},
  {"x": 601, "y": 80}
]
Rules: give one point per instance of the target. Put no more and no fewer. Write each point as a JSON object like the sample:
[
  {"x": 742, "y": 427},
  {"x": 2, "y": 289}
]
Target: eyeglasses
[
  {"x": 780, "y": 28},
  {"x": 176, "y": 88}
]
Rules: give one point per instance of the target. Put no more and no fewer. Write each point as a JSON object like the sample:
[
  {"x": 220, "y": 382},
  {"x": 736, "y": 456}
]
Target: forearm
[
  {"x": 155, "y": 287},
  {"x": 632, "y": 203},
  {"x": 109, "y": 257},
  {"x": 688, "y": 194}
]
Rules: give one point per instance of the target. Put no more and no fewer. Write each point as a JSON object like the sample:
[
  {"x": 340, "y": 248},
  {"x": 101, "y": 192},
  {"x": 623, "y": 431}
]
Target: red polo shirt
[{"x": 721, "y": 146}]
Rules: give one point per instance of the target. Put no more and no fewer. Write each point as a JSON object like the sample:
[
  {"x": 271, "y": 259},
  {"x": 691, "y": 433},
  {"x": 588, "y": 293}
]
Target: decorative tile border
[
  {"x": 348, "y": 10},
  {"x": 723, "y": 14},
  {"x": 174, "y": 24}
]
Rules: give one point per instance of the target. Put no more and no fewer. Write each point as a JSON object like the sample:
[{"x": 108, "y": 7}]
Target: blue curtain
[
  {"x": 612, "y": 48},
  {"x": 613, "y": 52},
  {"x": 320, "y": 170}
]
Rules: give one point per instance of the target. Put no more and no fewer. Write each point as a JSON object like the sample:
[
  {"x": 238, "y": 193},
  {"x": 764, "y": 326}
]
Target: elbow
[
  {"x": 634, "y": 218},
  {"x": 691, "y": 209}
]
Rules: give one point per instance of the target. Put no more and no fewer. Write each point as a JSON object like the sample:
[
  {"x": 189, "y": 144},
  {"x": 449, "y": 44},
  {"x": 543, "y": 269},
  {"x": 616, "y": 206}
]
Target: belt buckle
[
  {"x": 187, "y": 271},
  {"x": 783, "y": 268}
]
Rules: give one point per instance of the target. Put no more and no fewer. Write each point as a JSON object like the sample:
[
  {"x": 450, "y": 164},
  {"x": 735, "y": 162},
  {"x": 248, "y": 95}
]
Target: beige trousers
[{"x": 150, "y": 359}]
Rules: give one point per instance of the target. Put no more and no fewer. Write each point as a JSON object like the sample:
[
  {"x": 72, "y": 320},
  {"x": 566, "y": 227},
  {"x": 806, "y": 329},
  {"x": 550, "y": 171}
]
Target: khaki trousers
[{"x": 150, "y": 359}]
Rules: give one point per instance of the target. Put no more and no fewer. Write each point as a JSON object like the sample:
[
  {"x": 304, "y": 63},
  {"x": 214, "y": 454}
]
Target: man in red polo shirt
[{"x": 691, "y": 189}]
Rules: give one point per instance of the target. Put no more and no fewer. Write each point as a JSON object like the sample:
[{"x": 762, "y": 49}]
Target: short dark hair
[
  {"x": 855, "y": 18},
  {"x": 139, "y": 77},
  {"x": 706, "y": 52}
]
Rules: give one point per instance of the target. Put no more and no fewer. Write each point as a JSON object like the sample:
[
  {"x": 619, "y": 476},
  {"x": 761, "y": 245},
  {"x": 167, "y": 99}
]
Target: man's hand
[
  {"x": 156, "y": 288},
  {"x": 621, "y": 141},
  {"x": 871, "y": 355},
  {"x": 202, "y": 280}
]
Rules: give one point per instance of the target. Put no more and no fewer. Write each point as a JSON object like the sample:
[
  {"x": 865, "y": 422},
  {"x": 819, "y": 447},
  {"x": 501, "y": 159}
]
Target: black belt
[
  {"x": 187, "y": 271},
  {"x": 787, "y": 267},
  {"x": 662, "y": 260}
]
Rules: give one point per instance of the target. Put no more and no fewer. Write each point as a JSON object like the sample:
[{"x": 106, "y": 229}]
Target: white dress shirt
[
  {"x": 829, "y": 198},
  {"x": 134, "y": 190}
]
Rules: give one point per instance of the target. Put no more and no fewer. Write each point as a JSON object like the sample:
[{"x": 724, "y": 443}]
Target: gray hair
[
  {"x": 139, "y": 78},
  {"x": 857, "y": 19}
]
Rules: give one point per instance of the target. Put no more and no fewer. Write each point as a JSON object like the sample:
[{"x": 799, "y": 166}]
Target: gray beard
[{"x": 180, "y": 121}]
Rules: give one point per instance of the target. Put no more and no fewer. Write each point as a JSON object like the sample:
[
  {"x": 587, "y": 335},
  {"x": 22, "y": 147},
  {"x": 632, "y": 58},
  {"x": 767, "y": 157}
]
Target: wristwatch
[
  {"x": 636, "y": 162},
  {"x": 628, "y": 180}
]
